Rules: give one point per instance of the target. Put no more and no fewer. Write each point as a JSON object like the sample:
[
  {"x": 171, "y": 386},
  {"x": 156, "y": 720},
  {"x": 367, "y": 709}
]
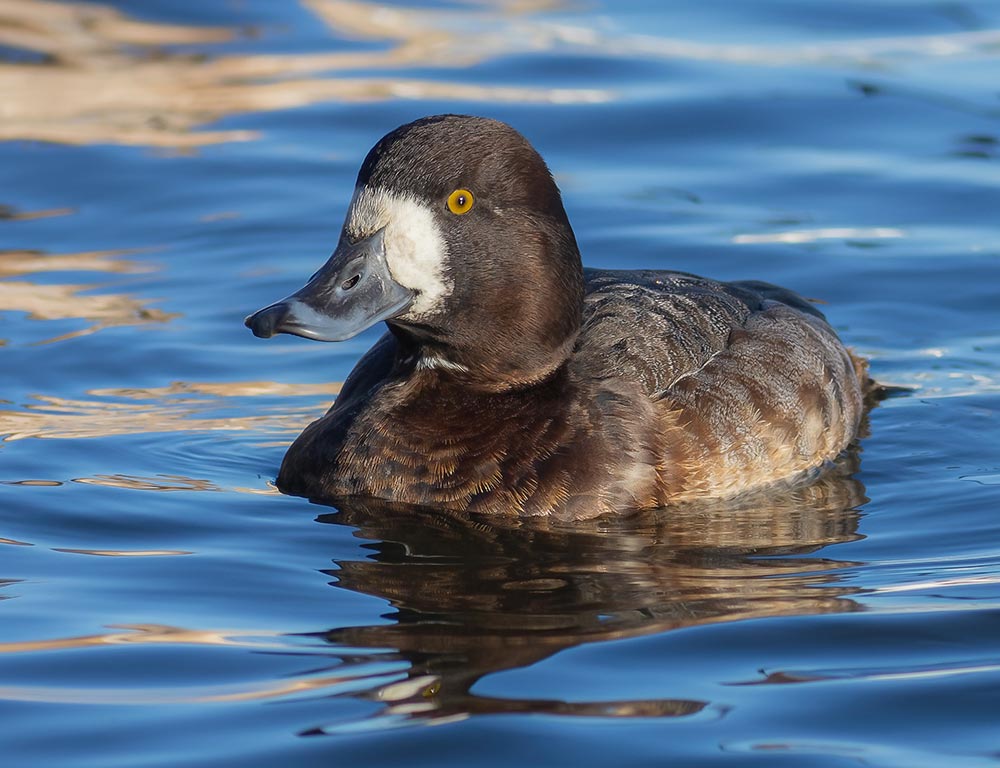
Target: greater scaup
[{"x": 513, "y": 381}]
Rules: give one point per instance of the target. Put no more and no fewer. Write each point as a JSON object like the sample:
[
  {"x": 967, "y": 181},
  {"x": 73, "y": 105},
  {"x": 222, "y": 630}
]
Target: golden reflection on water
[
  {"x": 12, "y": 214},
  {"x": 157, "y": 634},
  {"x": 221, "y": 389},
  {"x": 207, "y": 694},
  {"x": 169, "y": 483},
  {"x": 68, "y": 301},
  {"x": 179, "y": 407},
  {"x": 16, "y": 263},
  {"x": 141, "y": 634},
  {"x": 106, "y": 78},
  {"x": 158, "y": 483},
  {"x": 123, "y": 552}
]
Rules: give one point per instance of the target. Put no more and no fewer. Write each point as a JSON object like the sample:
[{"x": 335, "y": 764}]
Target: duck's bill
[{"x": 353, "y": 291}]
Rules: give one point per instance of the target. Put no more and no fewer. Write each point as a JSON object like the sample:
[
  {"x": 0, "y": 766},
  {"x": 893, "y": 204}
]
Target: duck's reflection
[{"x": 472, "y": 598}]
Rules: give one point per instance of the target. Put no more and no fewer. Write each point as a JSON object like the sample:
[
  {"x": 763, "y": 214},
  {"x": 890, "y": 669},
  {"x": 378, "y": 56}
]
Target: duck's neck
[
  {"x": 517, "y": 322},
  {"x": 504, "y": 358}
]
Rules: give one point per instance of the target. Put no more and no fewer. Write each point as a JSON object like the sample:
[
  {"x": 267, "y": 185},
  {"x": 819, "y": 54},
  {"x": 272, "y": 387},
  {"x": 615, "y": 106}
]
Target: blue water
[{"x": 168, "y": 166}]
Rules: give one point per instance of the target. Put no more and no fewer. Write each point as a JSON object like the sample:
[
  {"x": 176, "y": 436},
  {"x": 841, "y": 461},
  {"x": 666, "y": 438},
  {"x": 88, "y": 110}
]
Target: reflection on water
[
  {"x": 10, "y": 213},
  {"x": 221, "y": 389},
  {"x": 158, "y": 483},
  {"x": 123, "y": 552},
  {"x": 67, "y": 301},
  {"x": 14, "y": 263},
  {"x": 812, "y": 235},
  {"x": 179, "y": 407},
  {"x": 104, "y": 77},
  {"x": 167, "y": 483},
  {"x": 132, "y": 634},
  {"x": 471, "y": 599}
]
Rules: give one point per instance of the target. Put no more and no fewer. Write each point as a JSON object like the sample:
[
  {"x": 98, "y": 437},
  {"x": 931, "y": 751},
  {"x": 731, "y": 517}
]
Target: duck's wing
[
  {"x": 654, "y": 327},
  {"x": 755, "y": 381}
]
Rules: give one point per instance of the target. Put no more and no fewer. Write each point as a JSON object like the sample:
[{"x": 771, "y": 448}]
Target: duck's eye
[{"x": 460, "y": 201}]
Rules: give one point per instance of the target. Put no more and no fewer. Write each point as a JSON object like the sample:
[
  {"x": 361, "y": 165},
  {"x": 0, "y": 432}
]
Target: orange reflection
[
  {"x": 100, "y": 84},
  {"x": 14, "y": 263},
  {"x": 170, "y": 483},
  {"x": 108, "y": 79},
  {"x": 65, "y": 301},
  {"x": 221, "y": 389},
  {"x": 158, "y": 483},
  {"x": 123, "y": 552},
  {"x": 195, "y": 695},
  {"x": 156, "y": 634},
  {"x": 12, "y": 214},
  {"x": 179, "y": 407},
  {"x": 140, "y": 634}
]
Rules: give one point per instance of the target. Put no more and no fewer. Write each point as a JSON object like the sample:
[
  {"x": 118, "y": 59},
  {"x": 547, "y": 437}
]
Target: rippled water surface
[{"x": 169, "y": 165}]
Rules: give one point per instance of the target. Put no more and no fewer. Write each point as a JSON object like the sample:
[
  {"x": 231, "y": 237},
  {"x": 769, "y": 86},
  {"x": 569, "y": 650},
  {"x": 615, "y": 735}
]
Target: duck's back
[{"x": 754, "y": 381}]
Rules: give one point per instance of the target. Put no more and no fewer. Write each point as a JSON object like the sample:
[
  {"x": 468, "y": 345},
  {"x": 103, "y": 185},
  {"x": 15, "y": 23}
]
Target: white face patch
[{"x": 414, "y": 248}]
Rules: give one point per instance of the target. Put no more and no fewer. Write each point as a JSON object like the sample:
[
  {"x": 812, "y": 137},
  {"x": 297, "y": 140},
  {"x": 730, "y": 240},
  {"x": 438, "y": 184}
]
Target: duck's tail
[{"x": 874, "y": 392}]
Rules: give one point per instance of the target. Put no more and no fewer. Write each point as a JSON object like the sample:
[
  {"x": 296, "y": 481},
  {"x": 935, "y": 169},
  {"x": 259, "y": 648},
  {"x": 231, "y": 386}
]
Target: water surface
[{"x": 169, "y": 166}]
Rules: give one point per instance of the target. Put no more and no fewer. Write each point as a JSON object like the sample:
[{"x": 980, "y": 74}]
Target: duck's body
[{"x": 513, "y": 382}]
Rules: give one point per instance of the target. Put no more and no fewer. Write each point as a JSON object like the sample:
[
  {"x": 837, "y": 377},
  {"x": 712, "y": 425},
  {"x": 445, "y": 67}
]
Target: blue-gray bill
[{"x": 353, "y": 291}]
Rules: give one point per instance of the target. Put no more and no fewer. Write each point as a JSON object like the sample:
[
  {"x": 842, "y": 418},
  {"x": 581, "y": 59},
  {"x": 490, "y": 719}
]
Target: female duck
[{"x": 512, "y": 381}]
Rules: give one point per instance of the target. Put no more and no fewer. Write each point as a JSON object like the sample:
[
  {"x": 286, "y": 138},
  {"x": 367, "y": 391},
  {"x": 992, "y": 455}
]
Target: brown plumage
[{"x": 534, "y": 387}]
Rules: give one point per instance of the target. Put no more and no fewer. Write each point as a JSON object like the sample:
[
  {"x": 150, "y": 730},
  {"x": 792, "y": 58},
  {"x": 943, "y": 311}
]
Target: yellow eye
[{"x": 460, "y": 201}]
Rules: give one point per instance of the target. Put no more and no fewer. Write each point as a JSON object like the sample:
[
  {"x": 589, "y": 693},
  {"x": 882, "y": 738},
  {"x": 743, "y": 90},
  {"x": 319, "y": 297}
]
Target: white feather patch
[
  {"x": 440, "y": 363},
  {"x": 414, "y": 248}
]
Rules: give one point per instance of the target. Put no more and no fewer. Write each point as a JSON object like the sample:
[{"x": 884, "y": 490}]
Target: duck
[{"x": 512, "y": 382}]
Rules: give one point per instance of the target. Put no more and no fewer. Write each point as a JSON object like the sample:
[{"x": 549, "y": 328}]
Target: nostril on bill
[{"x": 350, "y": 283}]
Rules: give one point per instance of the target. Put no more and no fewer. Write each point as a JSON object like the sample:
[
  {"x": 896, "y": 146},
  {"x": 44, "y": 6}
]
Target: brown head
[{"x": 456, "y": 236}]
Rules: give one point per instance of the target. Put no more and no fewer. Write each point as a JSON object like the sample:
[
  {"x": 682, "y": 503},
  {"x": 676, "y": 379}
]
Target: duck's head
[{"x": 457, "y": 237}]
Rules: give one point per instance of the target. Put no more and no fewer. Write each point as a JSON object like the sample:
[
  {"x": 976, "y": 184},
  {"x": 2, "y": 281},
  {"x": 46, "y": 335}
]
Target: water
[{"x": 169, "y": 166}]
